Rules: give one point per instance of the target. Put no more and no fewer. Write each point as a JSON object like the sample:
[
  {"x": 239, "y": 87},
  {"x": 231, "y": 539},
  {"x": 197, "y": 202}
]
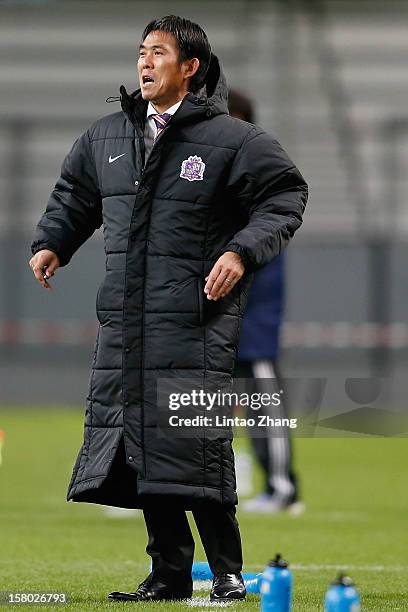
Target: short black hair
[{"x": 191, "y": 40}]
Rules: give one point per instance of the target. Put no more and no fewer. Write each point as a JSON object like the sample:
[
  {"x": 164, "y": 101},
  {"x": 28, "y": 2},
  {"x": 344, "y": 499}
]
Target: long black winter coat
[{"x": 211, "y": 184}]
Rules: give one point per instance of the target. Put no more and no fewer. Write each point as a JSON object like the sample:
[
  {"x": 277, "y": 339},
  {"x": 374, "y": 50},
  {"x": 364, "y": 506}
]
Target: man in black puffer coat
[{"x": 191, "y": 202}]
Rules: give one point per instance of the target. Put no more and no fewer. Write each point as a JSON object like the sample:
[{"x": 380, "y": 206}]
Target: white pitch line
[
  {"x": 206, "y": 603},
  {"x": 337, "y": 515},
  {"x": 327, "y": 566},
  {"x": 363, "y": 568},
  {"x": 201, "y": 585}
]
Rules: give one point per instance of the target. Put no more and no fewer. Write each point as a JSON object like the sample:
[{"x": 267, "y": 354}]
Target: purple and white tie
[{"x": 161, "y": 122}]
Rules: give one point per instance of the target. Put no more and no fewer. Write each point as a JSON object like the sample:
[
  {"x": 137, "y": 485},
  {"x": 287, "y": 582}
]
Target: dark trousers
[
  {"x": 170, "y": 541},
  {"x": 171, "y": 544}
]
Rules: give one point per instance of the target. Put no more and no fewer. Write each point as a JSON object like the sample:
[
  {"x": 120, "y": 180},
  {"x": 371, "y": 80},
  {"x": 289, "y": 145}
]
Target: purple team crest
[{"x": 192, "y": 168}]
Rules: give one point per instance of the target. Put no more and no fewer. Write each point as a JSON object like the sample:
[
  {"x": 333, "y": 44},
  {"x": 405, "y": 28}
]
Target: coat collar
[{"x": 211, "y": 100}]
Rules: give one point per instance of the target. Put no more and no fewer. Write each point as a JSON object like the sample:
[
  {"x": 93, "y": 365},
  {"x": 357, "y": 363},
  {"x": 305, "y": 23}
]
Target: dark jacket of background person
[
  {"x": 163, "y": 233},
  {"x": 260, "y": 335}
]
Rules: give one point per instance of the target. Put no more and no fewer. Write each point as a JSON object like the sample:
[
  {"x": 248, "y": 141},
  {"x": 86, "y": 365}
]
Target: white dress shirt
[{"x": 150, "y": 130}]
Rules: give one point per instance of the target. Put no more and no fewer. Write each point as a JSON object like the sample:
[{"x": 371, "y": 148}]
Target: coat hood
[{"x": 210, "y": 100}]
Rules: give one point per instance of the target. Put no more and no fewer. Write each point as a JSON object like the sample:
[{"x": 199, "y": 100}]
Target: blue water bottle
[
  {"x": 276, "y": 586},
  {"x": 201, "y": 571},
  {"x": 342, "y": 596},
  {"x": 252, "y": 582}
]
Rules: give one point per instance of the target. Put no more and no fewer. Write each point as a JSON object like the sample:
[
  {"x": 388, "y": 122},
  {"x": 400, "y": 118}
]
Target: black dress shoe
[
  {"x": 228, "y": 587},
  {"x": 153, "y": 589}
]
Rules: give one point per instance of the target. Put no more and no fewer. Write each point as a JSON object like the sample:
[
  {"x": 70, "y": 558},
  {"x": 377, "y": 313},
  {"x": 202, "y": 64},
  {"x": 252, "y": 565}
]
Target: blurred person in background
[
  {"x": 190, "y": 199},
  {"x": 258, "y": 359}
]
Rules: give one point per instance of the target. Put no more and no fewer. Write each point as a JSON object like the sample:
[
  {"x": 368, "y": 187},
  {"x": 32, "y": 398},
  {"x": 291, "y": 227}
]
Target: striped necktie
[{"x": 161, "y": 122}]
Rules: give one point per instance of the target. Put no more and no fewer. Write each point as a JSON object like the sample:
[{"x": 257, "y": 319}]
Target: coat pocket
[
  {"x": 97, "y": 302},
  {"x": 103, "y": 319},
  {"x": 200, "y": 294}
]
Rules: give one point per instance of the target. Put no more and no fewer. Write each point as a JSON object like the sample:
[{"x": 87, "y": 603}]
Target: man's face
[{"x": 162, "y": 76}]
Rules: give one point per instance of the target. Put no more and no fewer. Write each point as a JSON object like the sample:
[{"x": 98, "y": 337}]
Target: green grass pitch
[{"x": 355, "y": 491}]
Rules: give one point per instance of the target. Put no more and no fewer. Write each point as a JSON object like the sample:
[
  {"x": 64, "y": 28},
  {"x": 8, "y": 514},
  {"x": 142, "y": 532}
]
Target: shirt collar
[{"x": 152, "y": 111}]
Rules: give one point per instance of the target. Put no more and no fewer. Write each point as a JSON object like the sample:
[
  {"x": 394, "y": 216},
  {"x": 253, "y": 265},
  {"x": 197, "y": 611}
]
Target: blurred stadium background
[{"x": 330, "y": 79}]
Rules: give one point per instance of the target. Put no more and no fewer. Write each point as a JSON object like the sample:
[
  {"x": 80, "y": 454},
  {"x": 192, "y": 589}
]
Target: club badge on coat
[{"x": 192, "y": 168}]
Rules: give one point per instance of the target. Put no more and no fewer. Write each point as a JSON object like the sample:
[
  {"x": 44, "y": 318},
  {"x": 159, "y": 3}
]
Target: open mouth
[{"x": 147, "y": 79}]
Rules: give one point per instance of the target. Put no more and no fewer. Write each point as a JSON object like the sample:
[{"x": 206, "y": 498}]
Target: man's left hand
[{"x": 225, "y": 273}]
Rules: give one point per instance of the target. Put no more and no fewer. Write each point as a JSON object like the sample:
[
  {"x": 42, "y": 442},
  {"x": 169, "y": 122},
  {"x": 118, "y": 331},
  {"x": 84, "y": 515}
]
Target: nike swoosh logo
[{"x": 112, "y": 159}]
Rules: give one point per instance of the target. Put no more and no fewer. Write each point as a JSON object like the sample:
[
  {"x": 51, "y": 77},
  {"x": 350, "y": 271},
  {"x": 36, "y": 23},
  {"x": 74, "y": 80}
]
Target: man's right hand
[{"x": 43, "y": 264}]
